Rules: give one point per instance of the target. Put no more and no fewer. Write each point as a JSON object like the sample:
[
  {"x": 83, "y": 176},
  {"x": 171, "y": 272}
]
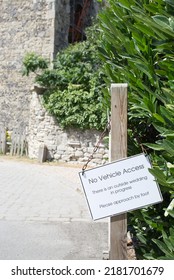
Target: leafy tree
[{"x": 137, "y": 47}]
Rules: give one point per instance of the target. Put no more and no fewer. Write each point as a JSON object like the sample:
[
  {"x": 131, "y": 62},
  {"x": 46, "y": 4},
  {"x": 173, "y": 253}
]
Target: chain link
[{"x": 105, "y": 131}]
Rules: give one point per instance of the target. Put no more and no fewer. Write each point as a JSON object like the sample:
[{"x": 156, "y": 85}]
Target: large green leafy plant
[
  {"x": 74, "y": 86},
  {"x": 137, "y": 48}
]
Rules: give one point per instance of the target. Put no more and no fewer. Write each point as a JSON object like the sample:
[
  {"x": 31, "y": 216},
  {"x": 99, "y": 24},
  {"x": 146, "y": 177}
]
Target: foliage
[
  {"x": 74, "y": 86},
  {"x": 137, "y": 48},
  {"x": 33, "y": 62}
]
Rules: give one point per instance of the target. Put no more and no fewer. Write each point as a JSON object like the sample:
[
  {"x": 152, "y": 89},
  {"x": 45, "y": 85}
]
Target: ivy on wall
[{"x": 74, "y": 86}]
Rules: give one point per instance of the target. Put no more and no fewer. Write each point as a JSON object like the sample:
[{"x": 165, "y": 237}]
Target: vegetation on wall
[
  {"x": 74, "y": 86},
  {"x": 137, "y": 48}
]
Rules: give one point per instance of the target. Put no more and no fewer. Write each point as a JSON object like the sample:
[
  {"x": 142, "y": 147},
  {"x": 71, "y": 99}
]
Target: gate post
[{"x": 118, "y": 150}]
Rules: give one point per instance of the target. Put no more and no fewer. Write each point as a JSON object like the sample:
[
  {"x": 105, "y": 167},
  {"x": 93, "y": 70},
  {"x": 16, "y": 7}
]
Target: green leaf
[
  {"x": 164, "y": 131},
  {"x": 159, "y": 118},
  {"x": 170, "y": 180},
  {"x": 149, "y": 256},
  {"x": 171, "y": 213},
  {"x": 155, "y": 147},
  {"x": 142, "y": 239},
  {"x": 168, "y": 146},
  {"x": 170, "y": 2},
  {"x": 163, "y": 247},
  {"x": 158, "y": 174},
  {"x": 124, "y": 4},
  {"x": 144, "y": 28},
  {"x": 162, "y": 20},
  {"x": 169, "y": 245}
]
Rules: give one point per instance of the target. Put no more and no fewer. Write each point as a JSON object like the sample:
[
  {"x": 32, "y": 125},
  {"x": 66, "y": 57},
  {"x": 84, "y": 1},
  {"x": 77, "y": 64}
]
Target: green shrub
[
  {"x": 32, "y": 63},
  {"x": 74, "y": 86},
  {"x": 137, "y": 48}
]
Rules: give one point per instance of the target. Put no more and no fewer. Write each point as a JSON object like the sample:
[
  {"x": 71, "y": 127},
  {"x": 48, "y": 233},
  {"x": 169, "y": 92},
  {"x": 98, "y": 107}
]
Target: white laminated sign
[{"x": 120, "y": 186}]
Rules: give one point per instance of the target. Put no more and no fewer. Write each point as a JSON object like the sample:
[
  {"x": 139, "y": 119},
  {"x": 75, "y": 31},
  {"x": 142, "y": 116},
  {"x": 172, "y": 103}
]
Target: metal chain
[
  {"x": 143, "y": 149},
  {"x": 105, "y": 131},
  {"x": 141, "y": 145}
]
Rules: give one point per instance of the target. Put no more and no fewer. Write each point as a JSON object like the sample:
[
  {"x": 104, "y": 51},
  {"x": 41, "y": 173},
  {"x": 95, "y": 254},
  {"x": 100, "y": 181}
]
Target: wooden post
[
  {"x": 118, "y": 150},
  {"x": 3, "y": 141},
  {"x": 42, "y": 153}
]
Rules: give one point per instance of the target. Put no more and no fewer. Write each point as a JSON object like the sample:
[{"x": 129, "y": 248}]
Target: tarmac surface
[{"x": 44, "y": 214}]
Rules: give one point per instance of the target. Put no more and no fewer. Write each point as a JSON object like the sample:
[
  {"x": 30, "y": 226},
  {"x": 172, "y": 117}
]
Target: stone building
[{"x": 41, "y": 26}]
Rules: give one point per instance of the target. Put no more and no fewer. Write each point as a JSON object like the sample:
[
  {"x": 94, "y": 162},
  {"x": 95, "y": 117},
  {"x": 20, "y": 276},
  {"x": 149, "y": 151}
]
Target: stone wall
[
  {"x": 39, "y": 26},
  {"x": 25, "y": 26},
  {"x": 62, "y": 145},
  {"x": 62, "y": 22}
]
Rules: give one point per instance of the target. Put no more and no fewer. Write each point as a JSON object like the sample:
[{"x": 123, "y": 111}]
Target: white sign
[{"x": 120, "y": 186}]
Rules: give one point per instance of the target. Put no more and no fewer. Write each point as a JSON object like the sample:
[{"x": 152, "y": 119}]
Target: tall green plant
[{"x": 137, "y": 48}]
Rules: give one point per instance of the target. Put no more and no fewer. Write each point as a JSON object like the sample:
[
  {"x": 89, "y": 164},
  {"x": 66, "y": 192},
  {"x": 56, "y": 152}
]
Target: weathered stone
[
  {"x": 27, "y": 26},
  {"x": 57, "y": 140},
  {"x": 97, "y": 155},
  {"x": 83, "y": 159},
  {"x": 87, "y": 155},
  {"x": 74, "y": 144},
  {"x": 101, "y": 151},
  {"x": 52, "y": 147},
  {"x": 39, "y": 26},
  {"x": 90, "y": 150},
  {"x": 60, "y": 152},
  {"x": 66, "y": 158},
  {"x": 57, "y": 157},
  {"x": 78, "y": 154},
  {"x": 96, "y": 161}
]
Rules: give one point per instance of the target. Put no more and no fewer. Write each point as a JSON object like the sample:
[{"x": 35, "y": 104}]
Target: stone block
[
  {"x": 70, "y": 150},
  {"x": 75, "y": 144},
  {"x": 60, "y": 152},
  {"x": 83, "y": 159},
  {"x": 79, "y": 154},
  {"x": 41, "y": 118},
  {"x": 101, "y": 151},
  {"x": 65, "y": 158},
  {"x": 87, "y": 155},
  {"x": 52, "y": 147},
  {"x": 97, "y": 155},
  {"x": 57, "y": 157},
  {"x": 90, "y": 150},
  {"x": 96, "y": 161}
]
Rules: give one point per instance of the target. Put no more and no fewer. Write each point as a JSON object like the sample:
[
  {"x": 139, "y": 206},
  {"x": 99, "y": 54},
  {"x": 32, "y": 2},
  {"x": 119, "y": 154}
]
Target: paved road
[{"x": 44, "y": 214}]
